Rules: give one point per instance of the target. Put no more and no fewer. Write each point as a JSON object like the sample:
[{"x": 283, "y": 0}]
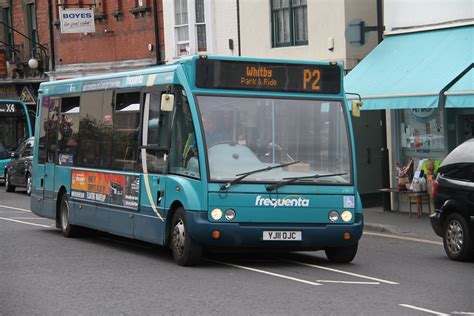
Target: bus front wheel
[
  {"x": 67, "y": 229},
  {"x": 342, "y": 254},
  {"x": 186, "y": 251}
]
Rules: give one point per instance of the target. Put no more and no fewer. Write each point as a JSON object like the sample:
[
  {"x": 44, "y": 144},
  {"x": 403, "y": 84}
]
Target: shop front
[{"x": 424, "y": 80}]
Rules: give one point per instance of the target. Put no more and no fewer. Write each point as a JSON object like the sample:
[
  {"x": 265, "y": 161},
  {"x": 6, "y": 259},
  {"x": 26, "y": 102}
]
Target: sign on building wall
[{"x": 80, "y": 20}]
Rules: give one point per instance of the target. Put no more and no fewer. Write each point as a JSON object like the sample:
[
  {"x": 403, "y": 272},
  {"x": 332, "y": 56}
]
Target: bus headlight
[
  {"x": 230, "y": 214},
  {"x": 333, "y": 216},
  {"x": 216, "y": 214},
  {"x": 346, "y": 216}
]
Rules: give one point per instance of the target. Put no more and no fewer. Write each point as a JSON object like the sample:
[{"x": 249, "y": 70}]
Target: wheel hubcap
[
  {"x": 179, "y": 237},
  {"x": 65, "y": 215},
  {"x": 454, "y": 237},
  {"x": 28, "y": 185}
]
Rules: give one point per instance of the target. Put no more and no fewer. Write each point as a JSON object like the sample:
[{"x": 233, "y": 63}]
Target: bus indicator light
[
  {"x": 347, "y": 236},
  {"x": 216, "y": 234}
]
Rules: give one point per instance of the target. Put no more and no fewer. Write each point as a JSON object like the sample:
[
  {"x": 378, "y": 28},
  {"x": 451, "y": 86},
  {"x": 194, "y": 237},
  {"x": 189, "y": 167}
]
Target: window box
[
  {"x": 100, "y": 17},
  {"x": 118, "y": 15},
  {"x": 140, "y": 11}
]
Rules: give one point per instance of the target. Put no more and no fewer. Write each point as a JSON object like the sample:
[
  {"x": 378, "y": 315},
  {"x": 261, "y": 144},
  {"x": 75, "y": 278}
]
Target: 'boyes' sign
[{"x": 77, "y": 20}]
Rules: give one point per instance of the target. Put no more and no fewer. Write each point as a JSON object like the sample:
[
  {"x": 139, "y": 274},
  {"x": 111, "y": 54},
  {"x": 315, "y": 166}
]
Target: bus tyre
[
  {"x": 67, "y": 229},
  {"x": 8, "y": 186},
  {"x": 458, "y": 239},
  {"x": 342, "y": 254},
  {"x": 186, "y": 251}
]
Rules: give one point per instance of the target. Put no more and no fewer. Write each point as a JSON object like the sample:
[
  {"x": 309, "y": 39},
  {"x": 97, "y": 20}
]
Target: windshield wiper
[
  {"x": 286, "y": 181},
  {"x": 241, "y": 176}
]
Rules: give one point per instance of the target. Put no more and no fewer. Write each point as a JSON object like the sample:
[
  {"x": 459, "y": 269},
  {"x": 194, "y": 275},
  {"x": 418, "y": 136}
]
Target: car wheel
[
  {"x": 67, "y": 229},
  {"x": 8, "y": 186},
  {"x": 28, "y": 184},
  {"x": 458, "y": 238},
  {"x": 186, "y": 251},
  {"x": 342, "y": 254}
]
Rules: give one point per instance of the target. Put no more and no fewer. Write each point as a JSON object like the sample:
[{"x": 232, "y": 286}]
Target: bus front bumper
[{"x": 237, "y": 235}]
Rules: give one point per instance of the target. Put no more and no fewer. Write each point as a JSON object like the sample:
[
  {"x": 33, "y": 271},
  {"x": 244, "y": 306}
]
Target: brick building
[
  {"x": 128, "y": 35},
  {"x": 24, "y": 34}
]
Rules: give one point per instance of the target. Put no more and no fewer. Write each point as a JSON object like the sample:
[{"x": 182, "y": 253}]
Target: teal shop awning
[
  {"x": 461, "y": 94},
  {"x": 409, "y": 70}
]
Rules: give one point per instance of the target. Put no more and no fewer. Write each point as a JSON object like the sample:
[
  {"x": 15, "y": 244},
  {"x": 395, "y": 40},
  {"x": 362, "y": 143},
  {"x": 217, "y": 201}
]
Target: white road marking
[
  {"x": 426, "y": 241},
  {"x": 266, "y": 272},
  {"x": 339, "y": 271},
  {"x": 463, "y": 313},
  {"x": 27, "y": 223},
  {"x": 348, "y": 282},
  {"x": 423, "y": 310},
  {"x": 15, "y": 208},
  {"x": 29, "y": 218}
]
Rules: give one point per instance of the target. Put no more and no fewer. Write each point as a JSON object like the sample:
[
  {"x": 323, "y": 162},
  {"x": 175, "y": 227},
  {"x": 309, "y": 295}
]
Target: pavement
[{"x": 399, "y": 223}]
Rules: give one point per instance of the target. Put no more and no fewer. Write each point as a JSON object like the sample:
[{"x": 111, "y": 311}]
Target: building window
[
  {"x": 181, "y": 27},
  {"x": 32, "y": 29},
  {"x": 200, "y": 27},
  {"x": 7, "y": 33},
  {"x": 289, "y": 22},
  {"x": 190, "y": 27}
]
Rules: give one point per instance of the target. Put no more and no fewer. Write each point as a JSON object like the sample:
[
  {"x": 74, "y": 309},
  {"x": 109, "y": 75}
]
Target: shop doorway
[
  {"x": 370, "y": 143},
  {"x": 465, "y": 127}
]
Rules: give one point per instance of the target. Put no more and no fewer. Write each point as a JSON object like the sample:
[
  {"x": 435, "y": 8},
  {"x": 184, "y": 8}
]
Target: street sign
[
  {"x": 79, "y": 20},
  {"x": 27, "y": 97}
]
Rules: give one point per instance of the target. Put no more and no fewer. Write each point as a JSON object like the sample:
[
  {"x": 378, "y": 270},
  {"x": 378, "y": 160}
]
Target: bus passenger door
[
  {"x": 149, "y": 223},
  {"x": 49, "y": 152}
]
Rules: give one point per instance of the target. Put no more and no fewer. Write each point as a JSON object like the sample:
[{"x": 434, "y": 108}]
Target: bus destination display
[
  {"x": 10, "y": 108},
  {"x": 240, "y": 75}
]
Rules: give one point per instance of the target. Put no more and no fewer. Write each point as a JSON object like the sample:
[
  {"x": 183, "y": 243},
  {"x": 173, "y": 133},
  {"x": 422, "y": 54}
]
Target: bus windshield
[
  {"x": 14, "y": 130},
  {"x": 249, "y": 133}
]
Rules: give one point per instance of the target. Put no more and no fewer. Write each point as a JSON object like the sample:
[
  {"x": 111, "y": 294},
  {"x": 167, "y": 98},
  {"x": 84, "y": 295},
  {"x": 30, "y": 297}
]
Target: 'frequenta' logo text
[{"x": 288, "y": 201}]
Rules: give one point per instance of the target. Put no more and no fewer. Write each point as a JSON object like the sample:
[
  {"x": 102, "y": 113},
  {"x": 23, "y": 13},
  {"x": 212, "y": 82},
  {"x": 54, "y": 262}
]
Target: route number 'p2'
[{"x": 311, "y": 77}]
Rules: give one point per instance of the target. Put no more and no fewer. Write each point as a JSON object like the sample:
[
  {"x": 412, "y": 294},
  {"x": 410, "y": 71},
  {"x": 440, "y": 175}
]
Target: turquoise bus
[
  {"x": 15, "y": 127},
  {"x": 206, "y": 153}
]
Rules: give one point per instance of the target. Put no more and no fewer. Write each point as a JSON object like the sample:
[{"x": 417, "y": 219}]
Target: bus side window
[
  {"x": 52, "y": 130},
  {"x": 68, "y": 130},
  {"x": 183, "y": 154},
  {"x": 126, "y": 121},
  {"x": 158, "y": 134},
  {"x": 43, "y": 130}
]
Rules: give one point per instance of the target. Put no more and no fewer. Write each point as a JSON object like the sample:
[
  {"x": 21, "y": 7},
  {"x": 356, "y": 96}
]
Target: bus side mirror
[
  {"x": 167, "y": 102},
  {"x": 356, "y": 105}
]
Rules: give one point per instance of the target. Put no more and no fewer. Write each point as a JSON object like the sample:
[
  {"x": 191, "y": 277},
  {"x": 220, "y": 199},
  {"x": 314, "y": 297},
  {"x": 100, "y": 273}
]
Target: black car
[
  {"x": 18, "y": 170},
  {"x": 453, "y": 193}
]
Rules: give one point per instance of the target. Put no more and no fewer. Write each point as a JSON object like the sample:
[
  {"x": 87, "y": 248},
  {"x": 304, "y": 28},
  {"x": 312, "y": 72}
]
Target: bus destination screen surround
[{"x": 241, "y": 75}]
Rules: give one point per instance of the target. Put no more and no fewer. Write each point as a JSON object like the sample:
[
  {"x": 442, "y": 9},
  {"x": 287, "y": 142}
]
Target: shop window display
[{"x": 422, "y": 130}]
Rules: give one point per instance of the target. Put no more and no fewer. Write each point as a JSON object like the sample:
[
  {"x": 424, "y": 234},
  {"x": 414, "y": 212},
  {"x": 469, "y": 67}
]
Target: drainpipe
[
  {"x": 380, "y": 26},
  {"x": 159, "y": 61},
  {"x": 51, "y": 37},
  {"x": 238, "y": 26}
]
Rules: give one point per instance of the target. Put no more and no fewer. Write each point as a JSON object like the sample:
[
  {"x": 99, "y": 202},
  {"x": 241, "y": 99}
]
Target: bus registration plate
[{"x": 282, "y": 235}]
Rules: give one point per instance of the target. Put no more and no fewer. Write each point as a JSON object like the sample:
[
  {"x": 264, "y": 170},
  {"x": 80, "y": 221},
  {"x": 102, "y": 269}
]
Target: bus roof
[{"x": 156, "y": 75}]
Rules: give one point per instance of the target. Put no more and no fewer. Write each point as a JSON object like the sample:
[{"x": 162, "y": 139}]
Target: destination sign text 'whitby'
[{"x": 261, "y": 76}]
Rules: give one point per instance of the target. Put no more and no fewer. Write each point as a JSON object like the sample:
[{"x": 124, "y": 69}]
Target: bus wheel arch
[
  {"x": 169, "y": 218},
  {"x": 186, "y": 251}
]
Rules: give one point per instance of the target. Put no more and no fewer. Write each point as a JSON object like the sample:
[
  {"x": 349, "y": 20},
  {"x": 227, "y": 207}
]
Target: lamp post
[{"x": 33, "y": 62}]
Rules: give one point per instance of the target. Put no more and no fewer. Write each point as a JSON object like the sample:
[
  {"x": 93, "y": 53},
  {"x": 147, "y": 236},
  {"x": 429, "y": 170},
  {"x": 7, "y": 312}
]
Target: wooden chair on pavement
[{"x": 419, "y": 198}]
